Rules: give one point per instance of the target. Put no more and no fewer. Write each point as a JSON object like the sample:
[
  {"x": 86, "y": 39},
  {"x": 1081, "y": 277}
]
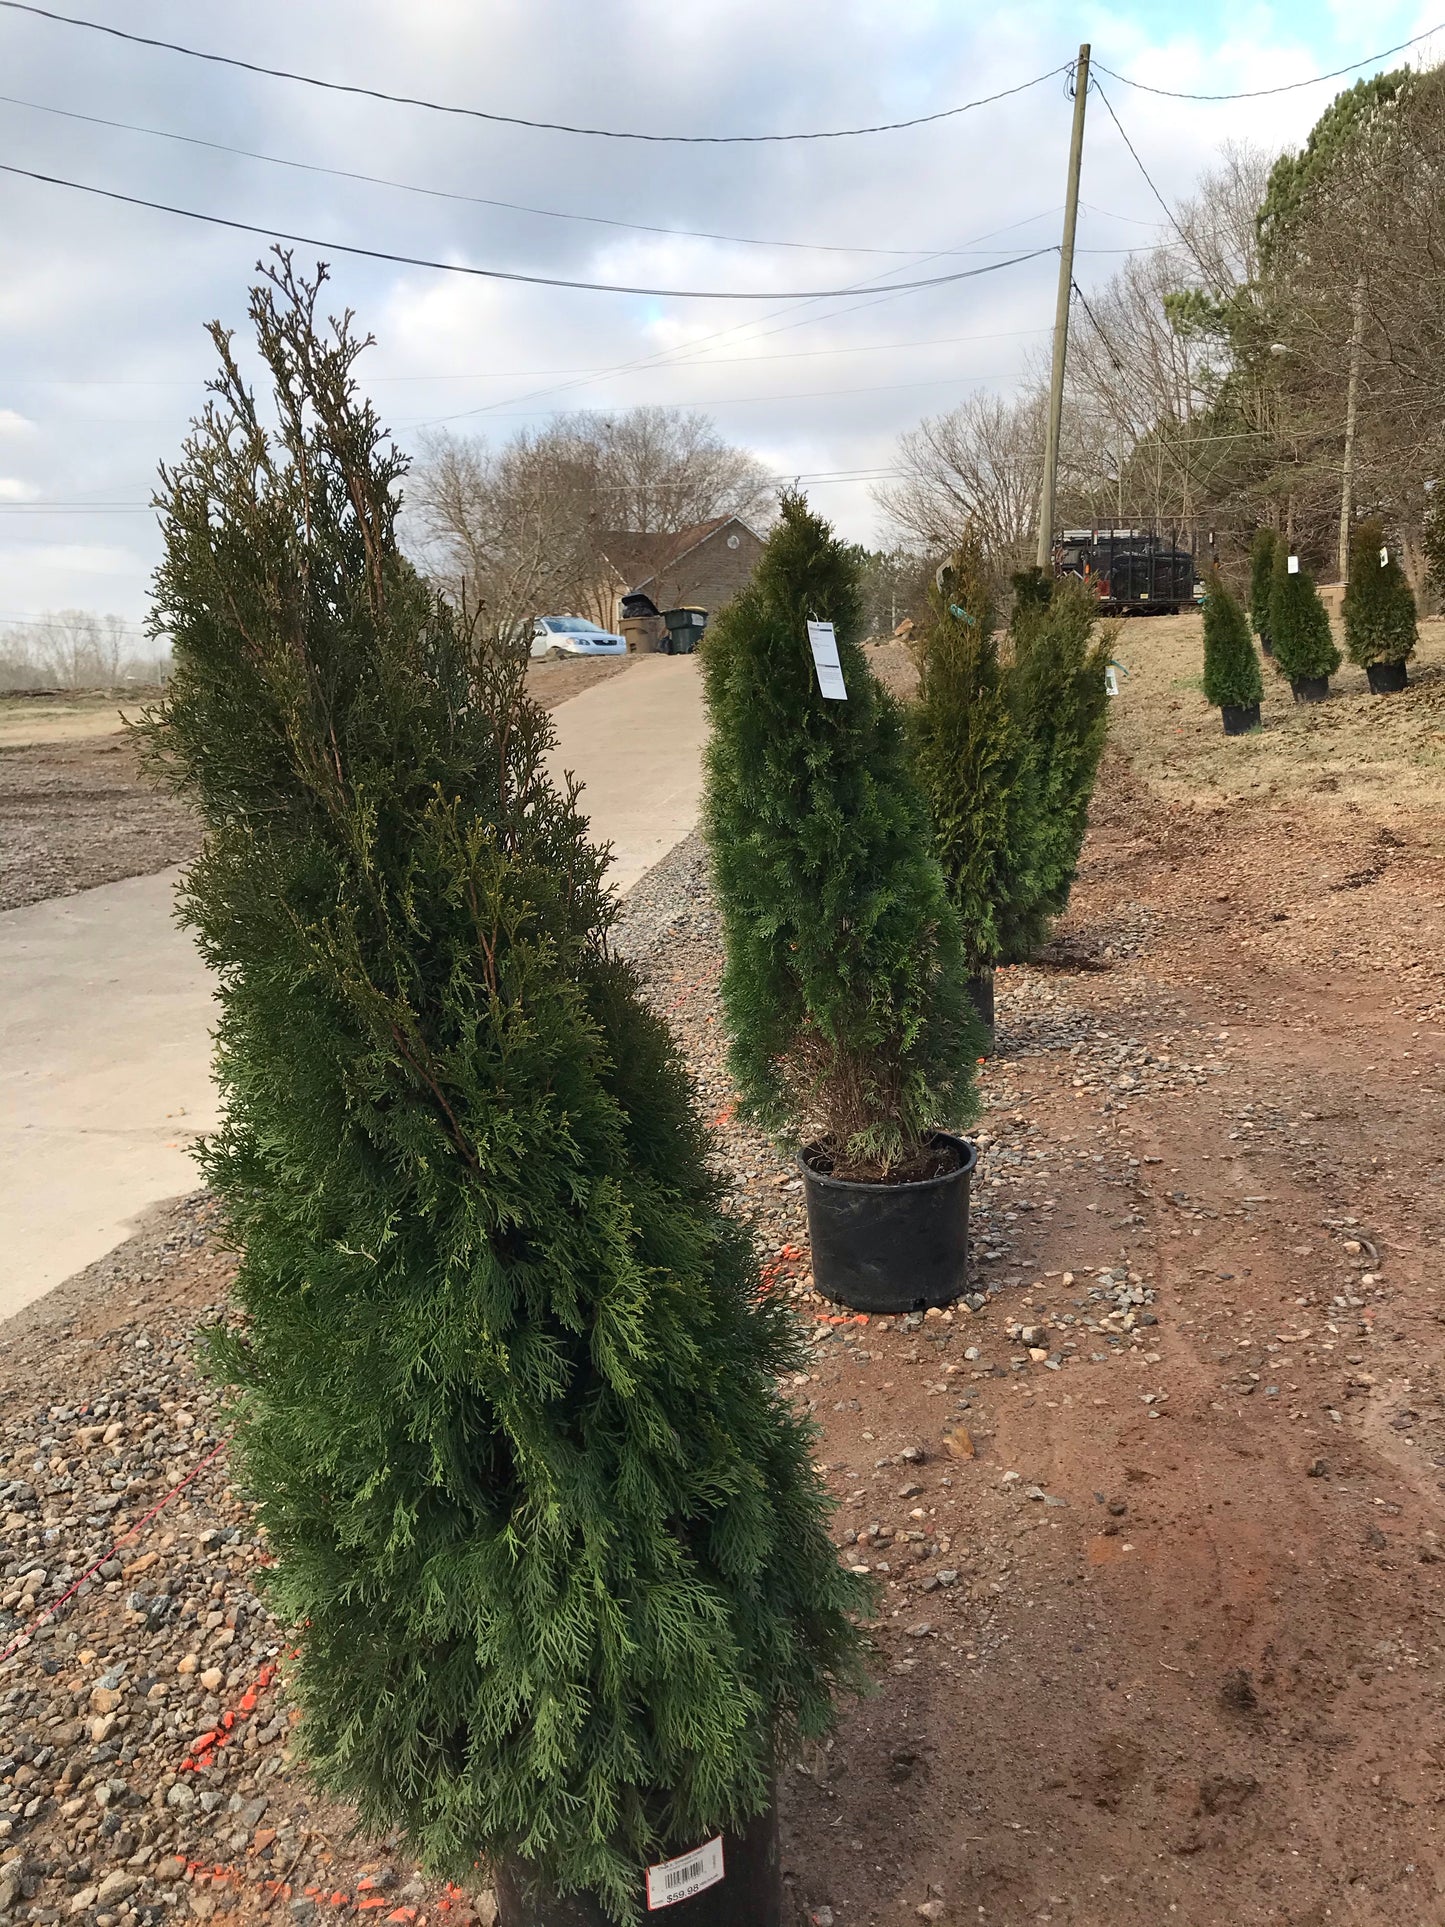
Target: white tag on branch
[
  {"x": 1384, "y": 558},
  {"x": 825, "y": 660},
  {"x": 1293, "y": 565},
  {"x": 690, "y": 1873},
  {"x": 1111, "y": 681}
]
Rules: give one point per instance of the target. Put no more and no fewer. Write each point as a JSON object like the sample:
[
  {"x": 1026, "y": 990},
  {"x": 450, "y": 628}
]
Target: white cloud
[{"x": 102, "y": 313}]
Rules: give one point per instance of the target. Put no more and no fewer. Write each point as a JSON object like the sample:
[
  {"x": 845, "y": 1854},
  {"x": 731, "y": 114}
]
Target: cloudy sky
[{"x": 102, "y": 305}]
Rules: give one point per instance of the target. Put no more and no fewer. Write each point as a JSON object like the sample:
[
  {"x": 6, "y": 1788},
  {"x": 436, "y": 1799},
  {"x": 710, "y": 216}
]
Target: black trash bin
[{"x": 684, "y": 626}]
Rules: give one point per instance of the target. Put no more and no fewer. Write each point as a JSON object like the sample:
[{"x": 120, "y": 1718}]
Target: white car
[{"x": 556, "y": 636}]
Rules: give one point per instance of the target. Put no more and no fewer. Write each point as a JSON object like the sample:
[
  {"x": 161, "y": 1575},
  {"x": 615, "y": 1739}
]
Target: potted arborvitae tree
[
  {"x": 1379, "y": 611},
  {"x": 1261, "y": 585},
  {"x": 1304, "y": 647},
  {"x": 968, "y": 750},
  {"x": 1060, "y": 701},
  {"x": 845, "y": 981},
  {"x": 507, "y": 1381},
  {"x": 1232, "y": 681}
]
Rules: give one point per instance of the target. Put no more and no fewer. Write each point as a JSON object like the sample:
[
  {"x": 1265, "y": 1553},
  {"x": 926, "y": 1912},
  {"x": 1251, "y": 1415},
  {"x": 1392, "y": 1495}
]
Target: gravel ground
[{"x": 1153, "y": 1512}]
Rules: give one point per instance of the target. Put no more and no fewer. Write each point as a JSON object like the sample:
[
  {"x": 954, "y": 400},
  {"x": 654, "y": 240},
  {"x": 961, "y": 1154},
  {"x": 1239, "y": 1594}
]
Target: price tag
[
  {"x": 1292, "y": 566},
  {"x": 674, "y": 1880},
  {"x": 825, "y": 660}
]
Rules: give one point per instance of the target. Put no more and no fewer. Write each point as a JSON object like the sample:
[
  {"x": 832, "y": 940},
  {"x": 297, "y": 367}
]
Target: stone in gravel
[{"x": 116, "y": 1887}]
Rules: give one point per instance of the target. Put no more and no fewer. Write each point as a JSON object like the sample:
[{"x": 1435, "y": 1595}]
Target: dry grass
[{"x": 1383, "y": 755}]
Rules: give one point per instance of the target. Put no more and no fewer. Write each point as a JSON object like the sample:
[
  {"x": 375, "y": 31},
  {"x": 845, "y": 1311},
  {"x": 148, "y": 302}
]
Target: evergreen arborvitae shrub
[
  {"x": 1261, "y": 585},
  {"x": 1060, "y": 701},
  {"x": 506, "y": 1381},
  {"x": 845, "y": 985},
  {"x": 1033, "y": 592},
  {"x": 1299, "y": 622},
  {"x": 1379, "y": 604},
  {"x": 968, "y": 751},
  {"x": 1231, "y": 668}
]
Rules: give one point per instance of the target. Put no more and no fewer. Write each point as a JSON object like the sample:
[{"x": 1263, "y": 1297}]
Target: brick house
[{"x": 703, "y": 566}]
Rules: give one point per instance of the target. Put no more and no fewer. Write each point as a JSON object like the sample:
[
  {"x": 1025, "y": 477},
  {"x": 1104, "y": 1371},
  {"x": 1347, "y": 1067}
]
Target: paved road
[{"x": 106, "y": 1009}]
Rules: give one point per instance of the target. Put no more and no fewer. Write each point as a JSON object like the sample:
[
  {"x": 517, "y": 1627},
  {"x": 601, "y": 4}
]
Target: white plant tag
[
  {"x": 1111, "y": 681},
  {"x": 1384, "y": 557},
  {"x": 825, "y": 660},
  {"x": 1292, "y": 566},
  {"x": 673, "y": 1880}
]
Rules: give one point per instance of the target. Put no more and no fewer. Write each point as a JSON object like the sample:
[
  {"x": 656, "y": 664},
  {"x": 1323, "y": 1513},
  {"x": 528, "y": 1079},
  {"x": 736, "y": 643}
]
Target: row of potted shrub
[{"x": 1293, "y": 626}]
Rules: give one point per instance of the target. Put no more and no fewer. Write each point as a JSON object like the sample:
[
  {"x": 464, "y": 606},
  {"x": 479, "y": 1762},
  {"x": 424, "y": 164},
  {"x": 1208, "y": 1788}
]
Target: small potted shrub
[
  {"x": 844, "y": 987},
  {"x": 1379, "y": 611},
  {"x": 547, "y": 1533},
  {"x": 1232, "y": 681},
  {"x": 1060, "y": 701},
  {"x": 1304, "y": 647},
  {"x": 969, "y": 752},
  {"x": 1261, "y": 585}
]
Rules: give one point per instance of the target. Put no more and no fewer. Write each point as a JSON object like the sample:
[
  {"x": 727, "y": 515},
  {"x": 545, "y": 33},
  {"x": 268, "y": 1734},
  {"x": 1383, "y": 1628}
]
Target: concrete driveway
[{"x": 106, "y": 1009}]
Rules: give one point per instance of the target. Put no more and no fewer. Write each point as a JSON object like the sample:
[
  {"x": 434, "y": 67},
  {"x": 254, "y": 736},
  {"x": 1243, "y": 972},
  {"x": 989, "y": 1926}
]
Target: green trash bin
[{"x": 684, "y": 626}]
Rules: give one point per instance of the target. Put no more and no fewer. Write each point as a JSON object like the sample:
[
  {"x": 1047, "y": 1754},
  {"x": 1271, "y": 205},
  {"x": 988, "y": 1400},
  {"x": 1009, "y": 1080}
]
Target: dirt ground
[
  {"x": 75, "y": 810},
  {"x": 1157, "y": 1515}
]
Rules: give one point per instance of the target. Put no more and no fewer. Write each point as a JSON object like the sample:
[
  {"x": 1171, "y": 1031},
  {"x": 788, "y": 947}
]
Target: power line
[
  {"x": 1262, "y": 93},
  {"x": 538, "y": 374},
  {"x": 502, "y": 274},
  {"x": 1098, "y": 328},
  {"x": 1149, "y": 178},
  {"x": 447, "y": 194},
  {"x": 521, "y": 120}
]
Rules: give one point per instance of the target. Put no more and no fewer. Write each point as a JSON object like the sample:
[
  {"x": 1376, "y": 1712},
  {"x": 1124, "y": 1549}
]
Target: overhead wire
[
  {"x": 449, "y": 194},
  {"x": 499, "y": 274},
  {"x": 522, "y": 120},
  {"x": 1286, "y": 87}
]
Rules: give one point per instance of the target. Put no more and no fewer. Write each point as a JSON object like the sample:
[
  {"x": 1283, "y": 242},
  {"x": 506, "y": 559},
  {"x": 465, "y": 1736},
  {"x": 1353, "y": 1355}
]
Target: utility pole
[
  {"x": 1061, "y": 311},
  {"x": 1352, "y": 396}
]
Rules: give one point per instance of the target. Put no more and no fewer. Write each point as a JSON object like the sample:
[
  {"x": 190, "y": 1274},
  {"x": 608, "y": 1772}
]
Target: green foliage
[
  {"x": 968, "y": 750},
  {"x": 1379, "y": 605},
  {"x": 1060, "y": 705},
  {"x": 844, "y": 986},
  {"x": 1033, "y": 591},
  {"x": 507, "y": 1383},
  {"x": 1299, "y": 182},
  {"x": 1261, "y": 584},
  {"x": 1299, "y": 623},
  {"x": 1231, "y": 668}
]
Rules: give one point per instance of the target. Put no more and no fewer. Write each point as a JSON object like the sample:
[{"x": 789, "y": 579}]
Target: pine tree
[
  {"x": 1299, "y": 623},
  {"x": 1060, "y": 702},
  {"x": 1231, "y": 668},
  {"x": 1379, "y": 604},
  {"x": 968, "y": 751},
  {"x": 507, "y": 1384},
  {"x": 1261, "y": 586},
  {"x": 844, "y": 988}
]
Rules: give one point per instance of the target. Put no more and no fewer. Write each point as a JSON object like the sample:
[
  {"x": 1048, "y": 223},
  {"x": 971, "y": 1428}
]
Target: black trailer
[{"x": 1131, "y": 571}]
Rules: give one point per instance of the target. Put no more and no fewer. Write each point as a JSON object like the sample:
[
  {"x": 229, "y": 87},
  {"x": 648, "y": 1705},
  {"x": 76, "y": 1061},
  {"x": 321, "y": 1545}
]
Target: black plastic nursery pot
[
  {"x": 980, "y": 995},
  {"x": 751, "y": 1888},
  {"x": 1310, "y": 689},
  {"x": 1239, "y": 718},
  {"x": 1386, "y": 678},
  {"x": 890, "y": 1247}
]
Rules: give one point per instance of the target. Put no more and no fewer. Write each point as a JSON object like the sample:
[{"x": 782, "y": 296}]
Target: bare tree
[
  {"x": 660, "y": 470},
  {"x": 520, "y": 530},
  {"x": 76, "y": 649},
  {"x": 980, "y": 468}
]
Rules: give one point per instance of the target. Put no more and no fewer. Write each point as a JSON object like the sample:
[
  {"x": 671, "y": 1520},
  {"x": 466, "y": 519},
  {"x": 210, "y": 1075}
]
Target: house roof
[{"x": 640, "y": 559}]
